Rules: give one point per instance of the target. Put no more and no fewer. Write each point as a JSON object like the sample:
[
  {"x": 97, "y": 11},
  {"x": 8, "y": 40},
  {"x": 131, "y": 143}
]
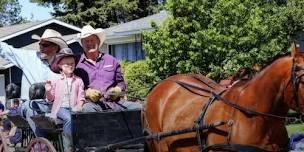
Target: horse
[{"x": 253, "y": 111}]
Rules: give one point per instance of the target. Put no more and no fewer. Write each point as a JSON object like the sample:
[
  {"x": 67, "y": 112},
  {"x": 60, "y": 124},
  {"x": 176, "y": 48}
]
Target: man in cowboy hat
[
  {"x": 34, "y": 64},
  {"x": 101, "y": 73}
]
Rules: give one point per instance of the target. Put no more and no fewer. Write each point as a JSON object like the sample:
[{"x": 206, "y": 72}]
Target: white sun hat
[
  {"x": 51, "y": 36},
  {"x": 88, "y": 30}
]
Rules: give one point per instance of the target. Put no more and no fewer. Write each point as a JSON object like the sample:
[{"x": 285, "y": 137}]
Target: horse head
[{"x": 296, "y": 91}]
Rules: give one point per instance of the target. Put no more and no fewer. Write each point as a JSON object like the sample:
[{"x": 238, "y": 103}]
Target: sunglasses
[{"x": 45, "y": 44}]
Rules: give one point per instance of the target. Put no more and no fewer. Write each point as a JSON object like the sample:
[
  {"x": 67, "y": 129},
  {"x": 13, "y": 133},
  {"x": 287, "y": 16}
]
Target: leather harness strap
[
  {"x": 228, "y": 146},
  {"x": 239, "y": 148}
]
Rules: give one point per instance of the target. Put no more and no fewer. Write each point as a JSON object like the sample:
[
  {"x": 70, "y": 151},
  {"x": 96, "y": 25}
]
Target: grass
[{"x": 293, "y": 128}]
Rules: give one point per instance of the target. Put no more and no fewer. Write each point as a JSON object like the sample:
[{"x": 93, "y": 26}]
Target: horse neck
[{"x": 265, "y": 91}]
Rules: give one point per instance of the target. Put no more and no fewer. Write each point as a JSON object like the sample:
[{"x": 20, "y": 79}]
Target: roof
[
  {"x": 121, "y": 30},
  {"x": 15, "y": 30},
  {"x": 8, "y": 30},
  {"x": 136, "y": 26}
]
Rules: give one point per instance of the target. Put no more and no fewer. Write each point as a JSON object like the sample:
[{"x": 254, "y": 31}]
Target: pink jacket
[{"x": 77, "y": 97}]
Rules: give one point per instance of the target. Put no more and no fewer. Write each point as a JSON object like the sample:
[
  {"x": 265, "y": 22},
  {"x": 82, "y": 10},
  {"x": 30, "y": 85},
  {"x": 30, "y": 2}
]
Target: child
[
  {"x": 66, "y": 92},
  {"x": 14, "y": 134}
]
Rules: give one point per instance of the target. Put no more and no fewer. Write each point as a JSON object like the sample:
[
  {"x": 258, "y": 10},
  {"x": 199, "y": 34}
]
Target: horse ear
[{"x": 295, "y": 50}]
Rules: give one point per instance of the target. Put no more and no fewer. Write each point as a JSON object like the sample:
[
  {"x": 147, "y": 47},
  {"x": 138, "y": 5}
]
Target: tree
[
  {"x": 102, "y": 13},
  {"x": 10, "y": 12},
  {"x": 217, "y": 37}
]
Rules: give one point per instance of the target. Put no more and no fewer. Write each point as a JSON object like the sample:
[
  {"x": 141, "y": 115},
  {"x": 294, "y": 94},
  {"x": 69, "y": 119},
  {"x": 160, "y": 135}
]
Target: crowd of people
[{"x": 54, "y": 82}]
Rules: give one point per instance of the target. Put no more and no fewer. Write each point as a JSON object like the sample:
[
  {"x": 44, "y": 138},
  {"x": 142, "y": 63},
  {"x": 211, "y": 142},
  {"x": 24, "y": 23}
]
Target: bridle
[{"x": 296, "y": 80}]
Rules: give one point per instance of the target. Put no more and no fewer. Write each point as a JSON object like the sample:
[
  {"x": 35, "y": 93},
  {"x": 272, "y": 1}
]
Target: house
[
  {"x": 19, "y": 36},
  {"x": 124, "y": 41}
]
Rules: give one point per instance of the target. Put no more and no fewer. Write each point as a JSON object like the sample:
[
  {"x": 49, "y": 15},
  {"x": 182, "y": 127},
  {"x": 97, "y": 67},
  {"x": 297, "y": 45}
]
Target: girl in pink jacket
[{"x": 66, "y": 92}]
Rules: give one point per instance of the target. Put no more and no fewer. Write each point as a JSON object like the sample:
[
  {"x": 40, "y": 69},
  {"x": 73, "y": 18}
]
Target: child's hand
[{"x": 48, "y": 86}]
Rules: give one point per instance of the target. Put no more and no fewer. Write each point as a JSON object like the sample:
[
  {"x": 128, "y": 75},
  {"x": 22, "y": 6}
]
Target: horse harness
[{"x": 294, "y": 79}]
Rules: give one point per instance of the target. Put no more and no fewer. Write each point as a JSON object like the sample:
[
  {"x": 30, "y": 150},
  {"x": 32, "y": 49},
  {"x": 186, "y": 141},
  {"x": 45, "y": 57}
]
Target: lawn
[{"x": 292, "y": 128}]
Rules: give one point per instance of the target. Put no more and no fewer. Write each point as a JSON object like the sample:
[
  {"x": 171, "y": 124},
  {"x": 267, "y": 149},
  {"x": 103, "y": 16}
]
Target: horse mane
[
  {"x": 275, "y": 58},
  {"x": 243, "y": 73},
  {"x": 248, "y": 73}
]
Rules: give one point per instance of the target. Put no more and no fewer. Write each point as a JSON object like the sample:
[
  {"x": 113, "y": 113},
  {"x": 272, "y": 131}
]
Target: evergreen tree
[
  {"x": 10, "y": 12},
  {"x": 217, "y": 37},
  {"x": 100, "y": 13}
]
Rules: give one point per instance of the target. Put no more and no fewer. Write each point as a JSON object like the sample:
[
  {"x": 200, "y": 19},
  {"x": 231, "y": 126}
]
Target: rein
[
  {"x": 227, "y": 102},
  {"x": 229, "y": 146}
]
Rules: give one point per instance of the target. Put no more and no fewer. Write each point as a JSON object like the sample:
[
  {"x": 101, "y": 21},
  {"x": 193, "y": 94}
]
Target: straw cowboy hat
[
  {"x": 51, "y": 36},
  {"x": 88, "y": 30},
  {"x": 65, "y": 52}
]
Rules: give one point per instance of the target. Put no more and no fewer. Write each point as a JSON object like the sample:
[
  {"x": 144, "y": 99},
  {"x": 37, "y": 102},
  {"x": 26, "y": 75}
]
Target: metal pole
[{"x": 156, "y": 136}]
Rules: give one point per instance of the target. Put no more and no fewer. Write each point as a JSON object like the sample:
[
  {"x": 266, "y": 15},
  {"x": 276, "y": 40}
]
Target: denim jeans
[
  {"x": 65, "y": 115},
  {"x": 121, "y": 105},
  {"x": 91, "y": 107}
]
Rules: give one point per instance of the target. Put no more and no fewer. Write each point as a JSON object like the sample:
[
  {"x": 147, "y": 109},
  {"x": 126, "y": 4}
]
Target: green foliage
[
  {"x": 139, "y": 78},
  {"x": 101, "y": 13},
  {"x": 10, "y": 12},
  {"x": 217, "y": 37},
  {"x": 295, "y": 128}
]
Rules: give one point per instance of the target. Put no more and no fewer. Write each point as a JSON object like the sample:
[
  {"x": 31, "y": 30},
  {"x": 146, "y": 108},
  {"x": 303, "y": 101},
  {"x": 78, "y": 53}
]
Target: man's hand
[
  {"x": 114, "y": 93},
  {"x": 93, "y": 94}
]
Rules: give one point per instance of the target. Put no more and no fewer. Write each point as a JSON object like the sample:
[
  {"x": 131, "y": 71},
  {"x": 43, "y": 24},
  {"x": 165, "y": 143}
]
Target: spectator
[{"x": 14, "y": 134}]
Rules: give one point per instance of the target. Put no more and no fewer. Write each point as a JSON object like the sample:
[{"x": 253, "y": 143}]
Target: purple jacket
[{"x": 104, "y": 74}]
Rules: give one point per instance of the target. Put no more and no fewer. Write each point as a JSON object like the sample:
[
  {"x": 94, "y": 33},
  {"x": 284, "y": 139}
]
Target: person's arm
[
  {"x": 50, "y": 90},
  {"x": 81, "y": 94},
  {"x": 12, "y": 132},
  {"x": 18, "y": 57},
  {"x": 80, "y": 97},
  {"x": 119, "y": 77}
]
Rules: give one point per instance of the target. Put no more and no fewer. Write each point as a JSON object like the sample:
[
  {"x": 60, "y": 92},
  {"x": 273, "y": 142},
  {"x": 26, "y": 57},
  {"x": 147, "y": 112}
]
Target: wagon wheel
[
  {"x": 3, "y": 145},
  {"x": 40, "y": 144}
]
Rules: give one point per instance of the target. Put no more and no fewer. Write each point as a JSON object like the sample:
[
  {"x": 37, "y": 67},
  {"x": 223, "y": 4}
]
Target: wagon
[
  {"x": 94, "y": 131},
  {"x": 91, "y": 131}
]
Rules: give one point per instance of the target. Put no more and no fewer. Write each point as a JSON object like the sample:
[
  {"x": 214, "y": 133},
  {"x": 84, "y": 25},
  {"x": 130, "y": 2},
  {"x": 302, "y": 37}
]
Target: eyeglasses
[{"x": 45, "y": 44}]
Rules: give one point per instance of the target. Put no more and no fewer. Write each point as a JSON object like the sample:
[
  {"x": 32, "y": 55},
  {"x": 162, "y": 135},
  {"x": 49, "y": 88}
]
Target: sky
[{"x": 39, "y": 13}]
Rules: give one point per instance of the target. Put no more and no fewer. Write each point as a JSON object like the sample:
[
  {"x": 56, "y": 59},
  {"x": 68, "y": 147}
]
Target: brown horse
[{"x": 253, "y": 110}]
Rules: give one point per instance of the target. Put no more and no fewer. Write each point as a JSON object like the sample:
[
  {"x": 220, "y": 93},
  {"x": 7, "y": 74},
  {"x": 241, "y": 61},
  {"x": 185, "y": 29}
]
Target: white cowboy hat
[
  {"x": 88, "y": 30},
  {"x": 51, "y": 36}
]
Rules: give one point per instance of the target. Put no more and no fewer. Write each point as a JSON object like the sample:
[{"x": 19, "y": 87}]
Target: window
[{"x": 127, "y": 51}]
